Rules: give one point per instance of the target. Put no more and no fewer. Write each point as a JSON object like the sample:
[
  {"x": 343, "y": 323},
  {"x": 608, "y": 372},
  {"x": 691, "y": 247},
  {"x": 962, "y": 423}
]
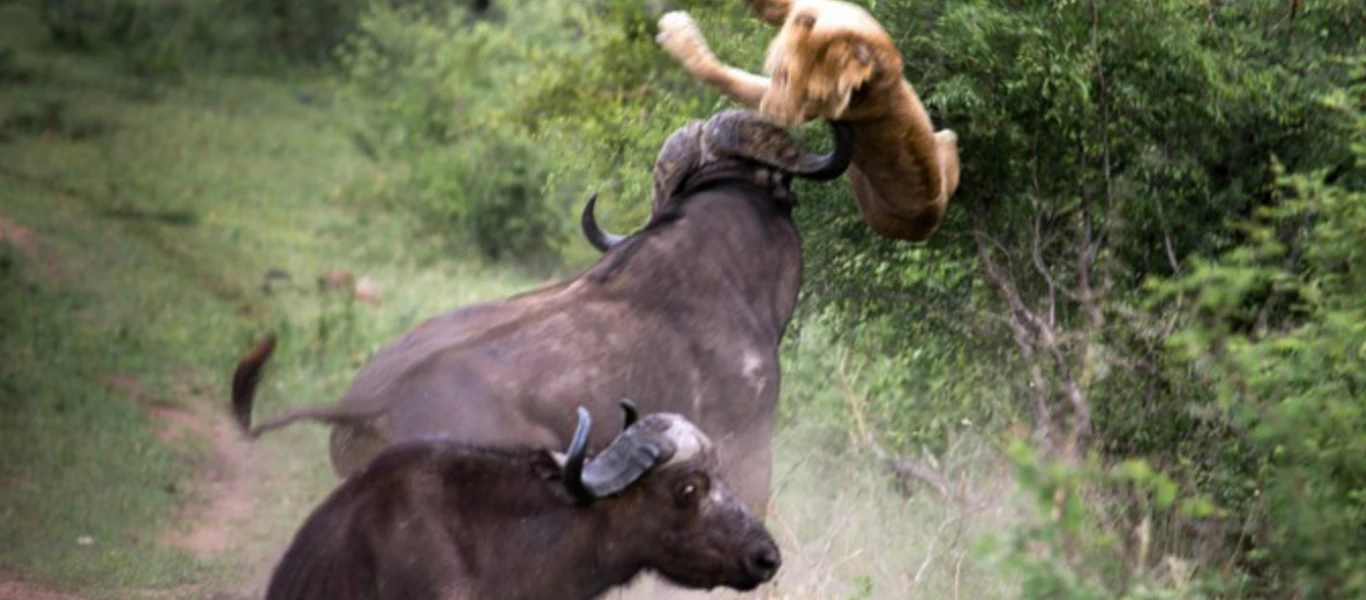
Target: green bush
[
  {"x": 1094, "y": 532},
  {"x": 1278, "y": 331},
  {"x": 153, "y": 37},
  {"x": 442, "y": 107},
  {"x": 169, "y": 37}
]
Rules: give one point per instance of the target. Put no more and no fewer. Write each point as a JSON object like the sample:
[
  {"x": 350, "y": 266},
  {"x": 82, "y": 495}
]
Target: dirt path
[
  {"x": 14, "y": 587},
  {"x": 222, "y": 495},
  {"x": 222, "y": 492},
  {"x": 24, "y": 240},
  {"x": 221, "y": 489}
]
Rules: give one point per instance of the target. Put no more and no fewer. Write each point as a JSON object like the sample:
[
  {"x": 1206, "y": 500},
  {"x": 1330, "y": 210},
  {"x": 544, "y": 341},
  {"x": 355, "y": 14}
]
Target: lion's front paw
[{"x": 682, "y": 39}]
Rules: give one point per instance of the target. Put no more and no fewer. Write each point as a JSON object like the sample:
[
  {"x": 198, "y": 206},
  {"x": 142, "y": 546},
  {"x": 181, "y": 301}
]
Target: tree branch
[{"x": 1020, "y": 326}]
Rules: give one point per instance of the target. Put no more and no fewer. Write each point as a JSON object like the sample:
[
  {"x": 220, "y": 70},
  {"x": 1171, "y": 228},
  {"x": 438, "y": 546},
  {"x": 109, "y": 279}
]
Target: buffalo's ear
[{"x": 548, "y": 465}]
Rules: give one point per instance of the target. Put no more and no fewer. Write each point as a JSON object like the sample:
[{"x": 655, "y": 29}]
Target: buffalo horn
[
  {"x": 655, "y": 440},
  {"x": 600, "y": 239},
  {"x": 629, "y": 407},
  {"x": 824, "y": 167},
  {"x": 743, "y": 133},
  {"x": 573, "y": 464}
]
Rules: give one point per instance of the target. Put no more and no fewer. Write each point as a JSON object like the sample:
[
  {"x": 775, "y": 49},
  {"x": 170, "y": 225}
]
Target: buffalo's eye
[{"x": 688, "y": 492}]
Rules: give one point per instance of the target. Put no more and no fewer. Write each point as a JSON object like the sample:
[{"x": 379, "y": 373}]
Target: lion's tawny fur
[{"x": 833, "y": 60}]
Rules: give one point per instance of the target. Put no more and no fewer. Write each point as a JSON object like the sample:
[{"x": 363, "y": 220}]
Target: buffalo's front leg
[
  {"x": 747, "y": 466},
  {"x": 682, "y": 39}
]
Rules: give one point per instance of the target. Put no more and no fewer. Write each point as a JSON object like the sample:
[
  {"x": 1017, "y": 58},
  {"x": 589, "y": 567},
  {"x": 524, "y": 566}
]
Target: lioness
[{"x": 832, "y": 60}]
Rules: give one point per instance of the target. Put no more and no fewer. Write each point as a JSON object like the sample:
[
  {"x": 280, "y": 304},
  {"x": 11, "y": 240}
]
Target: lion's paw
[{"x": 680, "y": 36}]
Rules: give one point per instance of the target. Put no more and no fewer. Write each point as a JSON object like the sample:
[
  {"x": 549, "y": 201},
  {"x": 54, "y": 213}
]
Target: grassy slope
[{"x": 153, "y": 234}]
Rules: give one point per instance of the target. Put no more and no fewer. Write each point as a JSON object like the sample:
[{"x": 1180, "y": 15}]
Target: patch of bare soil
[
  {"x": 23, "y": 239},
  {"x": 13, "y": 587},
  {"x": 222, "y": 494}
]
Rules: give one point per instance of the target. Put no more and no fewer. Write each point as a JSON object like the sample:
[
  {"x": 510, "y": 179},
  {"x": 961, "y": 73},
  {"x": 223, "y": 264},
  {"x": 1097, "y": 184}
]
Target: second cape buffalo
[
  {"x": 686, "y": 314},
  {"x": 433, "y": 518}
]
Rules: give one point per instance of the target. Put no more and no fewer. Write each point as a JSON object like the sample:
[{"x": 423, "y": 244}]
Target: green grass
[
  {"x": 156, "y": 210},
  {"x": 847, "y": 530}
]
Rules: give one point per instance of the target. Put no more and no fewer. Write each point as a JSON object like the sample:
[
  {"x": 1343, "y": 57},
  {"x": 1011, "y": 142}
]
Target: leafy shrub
[
  {"x": 1278, "y": 333},
  {"x": 153, "y": 36},
  {"x": 441, "y": 104},
  {"x": 1094, "y": 534},
  {"x": 167, "y": 37}
]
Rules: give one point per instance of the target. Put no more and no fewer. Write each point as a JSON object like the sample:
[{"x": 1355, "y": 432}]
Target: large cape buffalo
[
  {"x": 438, "y": 519},
  {"x": 685, "y": 314}
]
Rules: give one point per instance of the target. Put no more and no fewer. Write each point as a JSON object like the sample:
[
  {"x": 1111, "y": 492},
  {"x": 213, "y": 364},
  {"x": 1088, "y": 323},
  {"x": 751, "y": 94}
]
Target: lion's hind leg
[{"x": 680, "y": 36}]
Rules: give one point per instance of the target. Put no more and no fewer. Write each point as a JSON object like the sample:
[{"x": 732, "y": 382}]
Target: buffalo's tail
[
  {"x": 247, "y": 377},
  {"x": 332, "y": 414}
]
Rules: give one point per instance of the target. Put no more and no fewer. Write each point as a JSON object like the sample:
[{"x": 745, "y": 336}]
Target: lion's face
[{"x": 812, "y": 76}]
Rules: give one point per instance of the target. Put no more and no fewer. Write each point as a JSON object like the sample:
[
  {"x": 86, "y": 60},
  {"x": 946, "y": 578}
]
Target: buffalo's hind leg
[
  {"x": 353, "y": 445},
  {"x": 682, "y": 39}
]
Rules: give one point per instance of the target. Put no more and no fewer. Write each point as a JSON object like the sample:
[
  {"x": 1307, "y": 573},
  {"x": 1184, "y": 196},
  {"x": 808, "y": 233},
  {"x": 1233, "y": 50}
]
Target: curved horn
[
  {"x": 744, "y": 134},
  {"x": 573, "y": 464},
  {"x": 629, "y": 406},
  {"x": 635, "y": 451},
  {"x": 824, "y": 167},
  {"x": 600, "y": 239}
]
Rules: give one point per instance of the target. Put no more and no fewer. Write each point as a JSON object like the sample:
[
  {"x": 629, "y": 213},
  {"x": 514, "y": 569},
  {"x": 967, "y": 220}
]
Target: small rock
[
  {"x": 367, "y": 290},
  {"x": 85, "y": 540}
]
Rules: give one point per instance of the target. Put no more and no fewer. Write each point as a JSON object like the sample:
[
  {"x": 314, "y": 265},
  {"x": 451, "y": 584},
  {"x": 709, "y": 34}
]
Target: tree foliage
[{"x": 1277, "y": 331}]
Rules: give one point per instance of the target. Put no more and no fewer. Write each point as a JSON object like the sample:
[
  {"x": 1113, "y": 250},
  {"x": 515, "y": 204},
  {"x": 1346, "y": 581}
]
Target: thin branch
[
  {"x": 1037, "y": 255},
  {"x": 1085, "y": 295},
  {"x": 957, "y": 571},
  {"x": 1106, "y": 171},
  {"x": 1170, "y": 327},
  {"x": 1171, "y": 254},
  {"x": 929, "y": 553},
  {"x": 1038, "y": 385},
  {"x": 1292, "y": 261},
  {"x": 1035, "y": 242},
  {"x": 992, "y": 273},
  {"x": 899, "y": 465}
]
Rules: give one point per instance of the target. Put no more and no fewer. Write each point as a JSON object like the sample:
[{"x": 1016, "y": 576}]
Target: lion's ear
[
  {"x": 863, "y": 53},
  {"x": 805, "y": 20},
  {"x": 857, "y": 66}
]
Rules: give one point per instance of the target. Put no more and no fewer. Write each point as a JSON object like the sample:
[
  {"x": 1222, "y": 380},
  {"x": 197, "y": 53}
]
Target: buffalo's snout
[
  {"x": 757, "y": 563},
  {"x": 761, "y": 560}
]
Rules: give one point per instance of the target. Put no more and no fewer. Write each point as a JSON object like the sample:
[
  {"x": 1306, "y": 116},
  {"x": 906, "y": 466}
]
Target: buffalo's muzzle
[{"x": 761, "y": 561}]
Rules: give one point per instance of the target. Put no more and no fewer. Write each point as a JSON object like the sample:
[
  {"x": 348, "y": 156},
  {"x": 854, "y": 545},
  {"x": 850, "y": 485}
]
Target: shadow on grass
[{"x": 176, "y": 218}]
